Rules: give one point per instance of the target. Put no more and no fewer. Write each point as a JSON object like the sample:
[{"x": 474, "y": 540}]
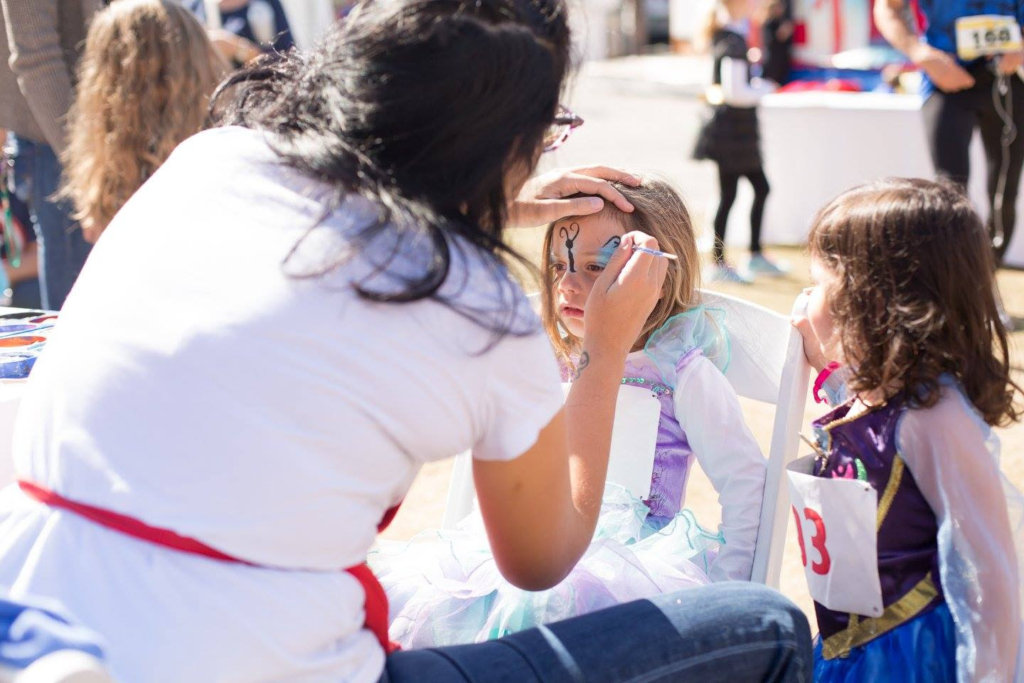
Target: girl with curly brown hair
[
  {"x": 144, "y": 84},
  {"x": 904, "y": 300}
]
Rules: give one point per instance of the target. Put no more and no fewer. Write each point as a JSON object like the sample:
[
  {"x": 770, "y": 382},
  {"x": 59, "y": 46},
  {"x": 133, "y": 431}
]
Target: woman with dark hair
[{"x": 247, "y": 381}]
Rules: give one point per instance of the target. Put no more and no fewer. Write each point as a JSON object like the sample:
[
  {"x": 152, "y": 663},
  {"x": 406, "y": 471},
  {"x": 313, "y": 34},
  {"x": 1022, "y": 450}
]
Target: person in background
[
  {"x": 143, "y": 86},
  {"x": 777, "y": 42},
  {"x": 244, "y": 29},
  {"x": 730, "y": 137},
  {"x": 20, "y": 251},
  {"x": 961, "y": 95},
  {"x": 40, "y": 44}
]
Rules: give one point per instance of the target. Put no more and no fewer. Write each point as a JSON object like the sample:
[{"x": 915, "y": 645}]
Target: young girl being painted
[
  {"x": 904, "y": 301},
  {"x": 444, "y": 588}
]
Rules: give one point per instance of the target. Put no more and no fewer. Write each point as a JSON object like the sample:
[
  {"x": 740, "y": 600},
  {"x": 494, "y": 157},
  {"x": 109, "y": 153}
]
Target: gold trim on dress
[
  {"x": 895, "y": 478},
  {"x": 848, "y": 419},
  {"x": 863, "y": 630}
]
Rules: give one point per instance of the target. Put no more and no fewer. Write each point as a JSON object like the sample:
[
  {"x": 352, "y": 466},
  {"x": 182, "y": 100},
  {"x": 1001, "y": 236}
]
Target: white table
[{"x": 818, "y": 144}]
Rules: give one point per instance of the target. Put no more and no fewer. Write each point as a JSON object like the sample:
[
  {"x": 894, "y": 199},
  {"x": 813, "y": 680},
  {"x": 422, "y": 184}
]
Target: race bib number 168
[{"x": 986, "y": 36}]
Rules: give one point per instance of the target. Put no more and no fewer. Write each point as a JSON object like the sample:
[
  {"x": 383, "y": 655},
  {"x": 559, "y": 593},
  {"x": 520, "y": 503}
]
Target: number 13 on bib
[{"x": 836, "y": 527}]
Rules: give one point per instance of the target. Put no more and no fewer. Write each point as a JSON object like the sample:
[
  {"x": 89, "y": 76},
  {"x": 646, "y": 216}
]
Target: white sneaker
[
  {"x": 723, "y": 272},
  {"x": 760, "y": 265}
]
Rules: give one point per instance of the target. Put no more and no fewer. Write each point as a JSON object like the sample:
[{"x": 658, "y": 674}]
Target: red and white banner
[{"x": 827, "y": 27}]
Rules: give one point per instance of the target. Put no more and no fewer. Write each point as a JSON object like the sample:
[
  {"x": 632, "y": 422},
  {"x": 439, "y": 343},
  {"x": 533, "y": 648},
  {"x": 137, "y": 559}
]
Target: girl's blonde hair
[
  {"x": 143, "y": 86},
  {"x": 658, "y": 211}
]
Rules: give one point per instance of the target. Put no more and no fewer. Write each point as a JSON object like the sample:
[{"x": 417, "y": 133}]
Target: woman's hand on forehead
[{"x": 543, "y": 198}]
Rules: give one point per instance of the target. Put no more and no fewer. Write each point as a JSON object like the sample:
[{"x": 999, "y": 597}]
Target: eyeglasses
[{"x": 561, "y": 128}]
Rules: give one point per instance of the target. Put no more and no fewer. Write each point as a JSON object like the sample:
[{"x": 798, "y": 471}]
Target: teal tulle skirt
[
  {"x": 923, "y": 650},
  {"x": 445, "y": 589}
]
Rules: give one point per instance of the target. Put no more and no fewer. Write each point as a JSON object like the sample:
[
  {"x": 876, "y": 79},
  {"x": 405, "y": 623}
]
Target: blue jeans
[
  {"x": 732, "y": 632},
  {"x": 62, "y": 246}
]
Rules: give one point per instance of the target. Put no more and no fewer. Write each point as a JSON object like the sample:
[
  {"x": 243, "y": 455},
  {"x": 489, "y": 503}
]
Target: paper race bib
[
  {"x": 836, "y": 527},
  {"x": 634, "y": 438},
  {"x": 986, "y": 35}
]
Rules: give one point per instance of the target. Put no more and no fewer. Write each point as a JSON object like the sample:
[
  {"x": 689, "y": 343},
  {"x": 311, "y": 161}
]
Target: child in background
[
  {"x": 904, "y": 300},
  {"x": 445, "y": 588},
  {"x": 144, "y": 83},
  {"x": 731, "y": 135}
]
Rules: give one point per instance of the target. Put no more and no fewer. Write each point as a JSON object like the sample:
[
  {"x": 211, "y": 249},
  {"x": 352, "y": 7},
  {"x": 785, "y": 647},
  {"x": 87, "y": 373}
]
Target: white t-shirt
[{"x": 197, "y": 382}]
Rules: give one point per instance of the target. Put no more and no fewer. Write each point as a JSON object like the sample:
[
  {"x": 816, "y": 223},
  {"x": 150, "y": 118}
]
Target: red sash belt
[{"x": 376, "y": 599}]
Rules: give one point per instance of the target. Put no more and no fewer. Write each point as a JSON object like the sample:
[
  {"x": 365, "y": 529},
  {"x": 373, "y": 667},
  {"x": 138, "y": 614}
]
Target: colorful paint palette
[
  {"x": 23, "y": 336},
  {"x": 17, "y": 364},
  {"x": 18, "y": 315},
  {"x": 16, "y": 342}
]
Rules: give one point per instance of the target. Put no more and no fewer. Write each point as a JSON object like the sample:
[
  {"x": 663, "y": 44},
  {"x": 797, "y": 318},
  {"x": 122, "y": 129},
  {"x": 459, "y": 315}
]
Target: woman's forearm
[
  {"x": 555, "y": 487},
  {"x": 590, "y": 412},
  {"x": 540, "y": 509}
]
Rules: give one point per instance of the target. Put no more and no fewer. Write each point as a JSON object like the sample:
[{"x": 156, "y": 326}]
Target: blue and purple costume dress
[{"x": 947, "y": 564}]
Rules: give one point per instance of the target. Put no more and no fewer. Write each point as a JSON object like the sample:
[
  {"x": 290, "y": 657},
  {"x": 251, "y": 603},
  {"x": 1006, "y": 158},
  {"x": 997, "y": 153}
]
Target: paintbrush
[
  {"x": 654, "y": 252},
  {"x": 611, "y": 245}
]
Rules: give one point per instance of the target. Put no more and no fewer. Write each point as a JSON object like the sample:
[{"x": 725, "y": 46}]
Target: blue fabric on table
[{"x": 31, "y": 631}]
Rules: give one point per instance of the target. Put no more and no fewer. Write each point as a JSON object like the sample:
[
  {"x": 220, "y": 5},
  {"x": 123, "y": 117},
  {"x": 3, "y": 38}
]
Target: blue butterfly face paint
[{"x": 608, "y": 250}]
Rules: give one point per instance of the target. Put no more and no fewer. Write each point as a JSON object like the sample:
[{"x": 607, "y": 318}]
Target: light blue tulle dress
[{"x": 444, "y": 587}]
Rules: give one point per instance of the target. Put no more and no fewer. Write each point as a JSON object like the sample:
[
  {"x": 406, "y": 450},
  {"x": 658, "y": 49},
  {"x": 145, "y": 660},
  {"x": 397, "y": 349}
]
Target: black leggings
[
  {"x": 950, "y": 119},
  {"x": 728, "y": 182}
]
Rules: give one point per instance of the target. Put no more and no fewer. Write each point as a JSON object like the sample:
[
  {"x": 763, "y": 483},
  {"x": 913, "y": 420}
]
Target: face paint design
[
  {"x": 564, "y": 233},
  {"x": 608, "y": 250}
]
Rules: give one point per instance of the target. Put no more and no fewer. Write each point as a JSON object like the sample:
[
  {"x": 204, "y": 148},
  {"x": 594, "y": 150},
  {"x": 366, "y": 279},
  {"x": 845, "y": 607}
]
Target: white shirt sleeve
[
  {"x": 710, "y": 415},
  {"x": 737, "y": 89},
  {"x": 523, "y": 394},
  {"x": 947, "y": 449}
]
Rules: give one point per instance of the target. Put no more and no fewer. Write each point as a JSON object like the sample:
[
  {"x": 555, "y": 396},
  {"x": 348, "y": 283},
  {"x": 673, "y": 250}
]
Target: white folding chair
[{"x": 767, "y": 364}]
